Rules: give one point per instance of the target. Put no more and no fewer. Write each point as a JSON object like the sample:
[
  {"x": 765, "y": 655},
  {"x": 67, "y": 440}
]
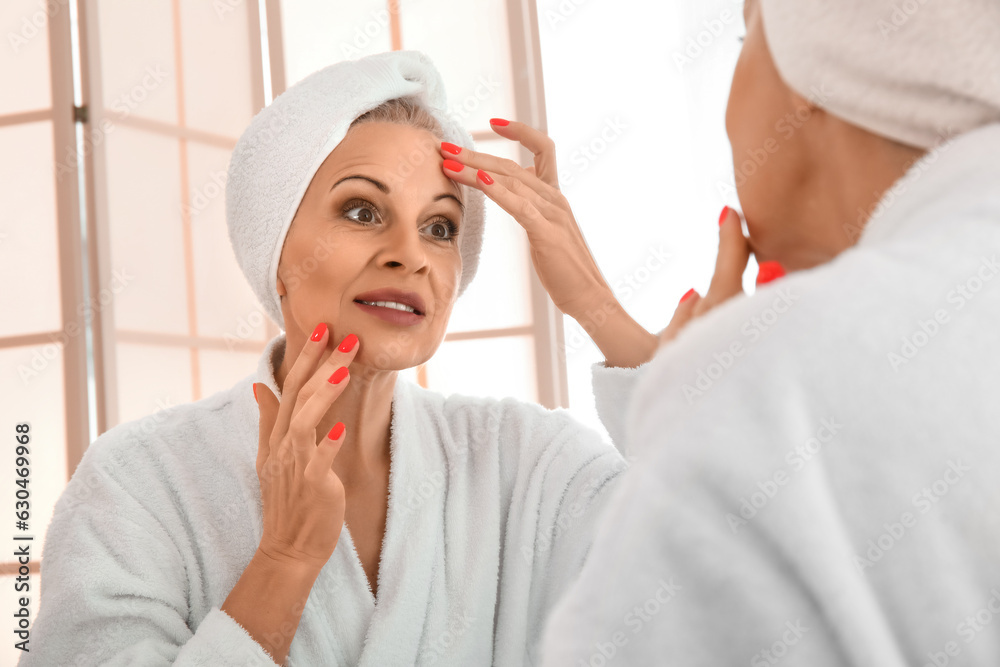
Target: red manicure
[
  {"x": 500, "y": 122},
  {"x": 338, "y": 375},
  {"x": 451, "y": 148},
  {"x": 255, "y": 392},
  {"x": 484, "y": 177},
  {"x": 335, "y": 432},
  {"x": 725, "y": 213},
  {"x": 687, "y": 295},
  {"x": 318, "y": 331},
  {"x": 454, "y": 166},
  {"x": 768, "y": 271},
  {"x": 348, "y": 343}
]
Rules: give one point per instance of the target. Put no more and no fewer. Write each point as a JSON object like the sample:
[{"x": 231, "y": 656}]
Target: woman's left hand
[{"x": 559, "y": 253}]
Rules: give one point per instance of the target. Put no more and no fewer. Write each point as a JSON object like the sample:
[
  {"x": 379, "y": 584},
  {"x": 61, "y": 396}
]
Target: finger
[
  {"x": 318, "y": 469},
  {"x": 298, "y": 375},
  {"x": 682, "y": 315},
  {"x": 536, "y": 141},
  {"x": 519, "y": 206},
  {"x": 734, "y": 253},
  {"x": 336, "y": 377},
  {"x": 267, "y": 408},
  {"x": 505, "y": 167}
]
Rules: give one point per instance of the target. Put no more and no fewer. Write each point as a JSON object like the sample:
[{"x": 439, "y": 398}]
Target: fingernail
[
  {"x": 484, "y": 177},
  {"x": 768, "y": 271},
  {"x": 499, "y": 122},
  {"x": 335, "y": 432},
  {"x": 348, "y": 343},
  {"x": 318, "y": 331},
  {"x": 255, "y": 392},
  {"x": 687, "y": 295},
  {"x": 338, "y": 375},
  {"x": 725, "y": 213},
  {"x": 454, "y": 166},
  {"x": 451, "y": 148}
]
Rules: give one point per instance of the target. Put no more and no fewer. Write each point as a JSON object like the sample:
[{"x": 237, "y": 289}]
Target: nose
[{"x": 403, "y": 247}]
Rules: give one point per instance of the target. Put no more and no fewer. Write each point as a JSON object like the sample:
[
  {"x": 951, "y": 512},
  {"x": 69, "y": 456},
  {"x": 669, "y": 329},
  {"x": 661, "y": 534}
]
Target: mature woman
[
  {"x": 351, "y": 517},
  {"x": 817, "y": 465}
]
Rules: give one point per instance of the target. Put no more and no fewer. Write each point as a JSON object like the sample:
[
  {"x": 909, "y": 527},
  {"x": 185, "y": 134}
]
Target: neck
[
  {"x": 365, "y": 408},
  {"x": 855, "y": 171}
]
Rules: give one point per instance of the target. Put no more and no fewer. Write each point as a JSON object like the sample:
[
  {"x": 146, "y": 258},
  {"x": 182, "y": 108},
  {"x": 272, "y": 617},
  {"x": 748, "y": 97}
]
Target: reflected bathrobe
[
  {"x": 491, "y": 505},
  {"x": 828, "y": 492}
]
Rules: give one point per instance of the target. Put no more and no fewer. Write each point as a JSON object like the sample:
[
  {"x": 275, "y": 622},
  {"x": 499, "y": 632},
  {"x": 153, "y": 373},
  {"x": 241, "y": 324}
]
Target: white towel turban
[
  {"x": 915, "y": 71},
  {"x": 279, "y": 153}
]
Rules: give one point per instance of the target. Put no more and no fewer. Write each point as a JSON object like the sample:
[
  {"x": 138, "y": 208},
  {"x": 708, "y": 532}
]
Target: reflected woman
[{"x": 348, "y": 516}]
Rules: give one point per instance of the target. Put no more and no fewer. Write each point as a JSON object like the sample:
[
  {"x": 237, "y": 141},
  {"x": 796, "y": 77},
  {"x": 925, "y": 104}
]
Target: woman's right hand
[{"x": 303, "y": 499}]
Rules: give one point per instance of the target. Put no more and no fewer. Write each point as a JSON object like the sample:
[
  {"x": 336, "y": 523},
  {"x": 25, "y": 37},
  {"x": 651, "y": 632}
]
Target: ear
[{"x": 281, "y": 288}]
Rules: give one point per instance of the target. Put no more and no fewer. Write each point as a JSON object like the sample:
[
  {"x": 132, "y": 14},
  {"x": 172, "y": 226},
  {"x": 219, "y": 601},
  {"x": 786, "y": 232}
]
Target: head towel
[
  {"x": 286, "y": 142},
  {"x": 915, "y": 71}
]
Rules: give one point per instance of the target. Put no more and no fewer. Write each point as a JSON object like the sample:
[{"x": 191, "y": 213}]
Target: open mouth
[{"x": 391, "y": 304}]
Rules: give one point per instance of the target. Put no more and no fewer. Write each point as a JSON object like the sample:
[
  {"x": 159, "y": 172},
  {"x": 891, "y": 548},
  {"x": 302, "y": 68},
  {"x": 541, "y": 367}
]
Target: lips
[{"x": 411, "y": 299}]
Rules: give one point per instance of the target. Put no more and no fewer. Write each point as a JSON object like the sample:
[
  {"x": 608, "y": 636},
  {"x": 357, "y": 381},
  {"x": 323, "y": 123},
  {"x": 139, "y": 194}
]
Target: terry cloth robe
[
  {"x": 826, "y": 492},
  {"x": 491, "y": 507}
]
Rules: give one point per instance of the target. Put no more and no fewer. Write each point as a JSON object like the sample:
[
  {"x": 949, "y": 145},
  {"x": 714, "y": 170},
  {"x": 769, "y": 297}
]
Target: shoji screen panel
[{"x": 175, "y": 82}]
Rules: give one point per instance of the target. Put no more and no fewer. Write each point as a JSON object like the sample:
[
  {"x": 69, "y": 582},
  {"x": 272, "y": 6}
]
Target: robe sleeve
[
  {"x": 613, "y": 389},
  {"x": 573, "y": 480},
  {"x": 114, "y": 586}
]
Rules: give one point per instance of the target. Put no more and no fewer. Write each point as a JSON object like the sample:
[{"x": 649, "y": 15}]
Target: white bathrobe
[
  {"x": 491, "y": 508},
  {"x": 817, "y": 467}
]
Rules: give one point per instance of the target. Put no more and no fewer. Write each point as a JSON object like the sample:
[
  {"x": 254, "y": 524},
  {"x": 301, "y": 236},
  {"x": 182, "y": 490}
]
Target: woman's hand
[
  {"x": 727, "y": 282},
  {"x": 303, "y": 499},
  {"x": 558, "y": 250}
]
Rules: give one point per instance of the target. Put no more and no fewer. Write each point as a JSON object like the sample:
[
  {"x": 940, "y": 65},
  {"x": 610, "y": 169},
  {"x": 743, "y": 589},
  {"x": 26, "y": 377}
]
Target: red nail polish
[
  {"x": 484, "y": 177},
  {"x": 318, "y": 331},
  {"x": 348, "y": 343},
  {"x": 687, "y": 295},
  {"x": 499, "y": 122},
  {"x": 255, "y": 392},
  {"x": 768, "y": 271},
  {"x": 338, "y": 375},
  {"x": 725, "y": 213},
  {"x": 454, "y": 166},
  {"x": 335, "y": 432},
  {"x": 451, "y": 148}
]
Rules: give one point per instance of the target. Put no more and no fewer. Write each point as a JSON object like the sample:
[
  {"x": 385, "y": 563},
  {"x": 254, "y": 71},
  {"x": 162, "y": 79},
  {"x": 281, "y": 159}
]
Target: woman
[
  {"x": 420, "y": 529},
  {"x": 816, "y": 479}
]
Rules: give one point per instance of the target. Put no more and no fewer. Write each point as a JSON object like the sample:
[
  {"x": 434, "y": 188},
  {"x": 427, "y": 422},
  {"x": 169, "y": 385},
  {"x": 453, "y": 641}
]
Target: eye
[
  {"x": 366, "y": 212},
  {"x": 450, "y": 227}
]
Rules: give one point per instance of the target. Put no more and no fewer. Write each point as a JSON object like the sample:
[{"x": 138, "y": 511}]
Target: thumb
[
  {"x": 318, "y": 470},
  {"x": 267, "y": 408}
]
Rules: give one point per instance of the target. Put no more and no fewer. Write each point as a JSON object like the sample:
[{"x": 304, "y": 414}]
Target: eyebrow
[{"x": 385, "y": 188}]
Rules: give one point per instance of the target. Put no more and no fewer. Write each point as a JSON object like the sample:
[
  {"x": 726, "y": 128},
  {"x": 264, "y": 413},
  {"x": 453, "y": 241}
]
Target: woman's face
[
  {"x": 771, "y": 129},
  {"x": 379, "y": 213}
]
